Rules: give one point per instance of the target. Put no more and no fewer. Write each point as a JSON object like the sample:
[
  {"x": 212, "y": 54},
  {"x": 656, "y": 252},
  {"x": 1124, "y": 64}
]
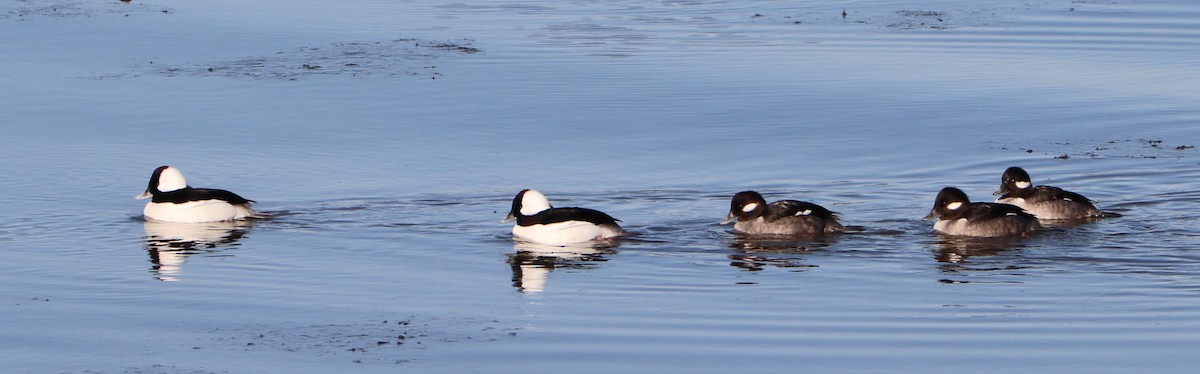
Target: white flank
[
  {"x": 196, "y": 211},
  {"x": 533, "y": 202},
  {"x": 559, "y": 233}
]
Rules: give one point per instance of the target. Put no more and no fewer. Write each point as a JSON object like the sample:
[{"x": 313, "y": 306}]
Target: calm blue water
[{"x": 389, "y": 137}]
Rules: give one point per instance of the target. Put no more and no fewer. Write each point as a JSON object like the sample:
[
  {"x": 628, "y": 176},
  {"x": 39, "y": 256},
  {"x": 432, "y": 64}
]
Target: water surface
[{"x": 388, "y": 138}]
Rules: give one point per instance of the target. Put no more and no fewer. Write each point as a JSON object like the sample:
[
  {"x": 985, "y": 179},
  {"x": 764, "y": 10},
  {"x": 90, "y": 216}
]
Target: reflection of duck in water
[
  {"x": 532, "y": 263},
  {"x": 756, "y": 252},
  {"x": 961, "y": 258},
  {"x": 170, "y": 243},
  {"x": 955, "y": 249}
]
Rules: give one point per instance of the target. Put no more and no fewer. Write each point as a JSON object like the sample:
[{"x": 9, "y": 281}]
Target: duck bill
[
  {"x": 143, "y": 195},
  {"x": 508, "y": 218},
  {"x": 728, "y": 219},
  {"x": 929, "y": 216},
  {"x": 999, "y": 192}
]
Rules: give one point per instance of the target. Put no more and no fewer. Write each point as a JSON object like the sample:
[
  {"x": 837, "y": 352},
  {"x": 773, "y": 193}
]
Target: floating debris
[{"x": 397, "y": 57}]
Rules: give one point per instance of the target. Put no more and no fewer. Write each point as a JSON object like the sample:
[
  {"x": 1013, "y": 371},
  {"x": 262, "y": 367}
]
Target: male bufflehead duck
[
  {"x": 539, "y": 222},
  {"x": 784, "y": 217},
  {"x": 957, "y": 215},
  {"x": 172, "y": 200},
  {"x": 1045, "y": 202}
]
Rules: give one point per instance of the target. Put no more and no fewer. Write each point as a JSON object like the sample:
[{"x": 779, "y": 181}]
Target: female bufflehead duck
[
  {"x": 784, "y": 217},
  {"x": 958, "y": 216},
  {"x": 172, "y": 200},
  {"x": 1045, "y": 202},
  {"x": 539, "y": 222}
]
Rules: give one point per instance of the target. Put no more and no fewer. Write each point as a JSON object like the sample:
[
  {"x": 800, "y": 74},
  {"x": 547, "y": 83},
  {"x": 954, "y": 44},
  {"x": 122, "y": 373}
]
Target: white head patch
[
  {"x": 533, "y": 202},
  {"x": 954, "y": 206},
  {"x": 1022, "y": 184},
  {"x": 170, "y": 180},
  {"x": 749, "y": 207}
]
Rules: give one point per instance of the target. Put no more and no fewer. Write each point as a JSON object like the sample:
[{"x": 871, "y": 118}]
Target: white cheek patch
[
  {"x": 527, "y": 211},
  {"x": 804, "y": 213},
  {"x": 530, "y": 210},
  {"x": 533, "y": 203},
  {"x": 749, "y": 207},
  {"x": 1023, "y": 184},
  {"x": 171, "y": 179},
  {"x": 954, "y": 206}
]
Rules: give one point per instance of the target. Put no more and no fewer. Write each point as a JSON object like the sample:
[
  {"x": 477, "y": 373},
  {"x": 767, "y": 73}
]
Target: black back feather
[
  {"x": 1045, "y": 193},
  {"x": 987, "y": 211},
  {"x": 556, "y": 215},
  {"x": 789, "y": 208},
  {"x": 188, "y": 194}
]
